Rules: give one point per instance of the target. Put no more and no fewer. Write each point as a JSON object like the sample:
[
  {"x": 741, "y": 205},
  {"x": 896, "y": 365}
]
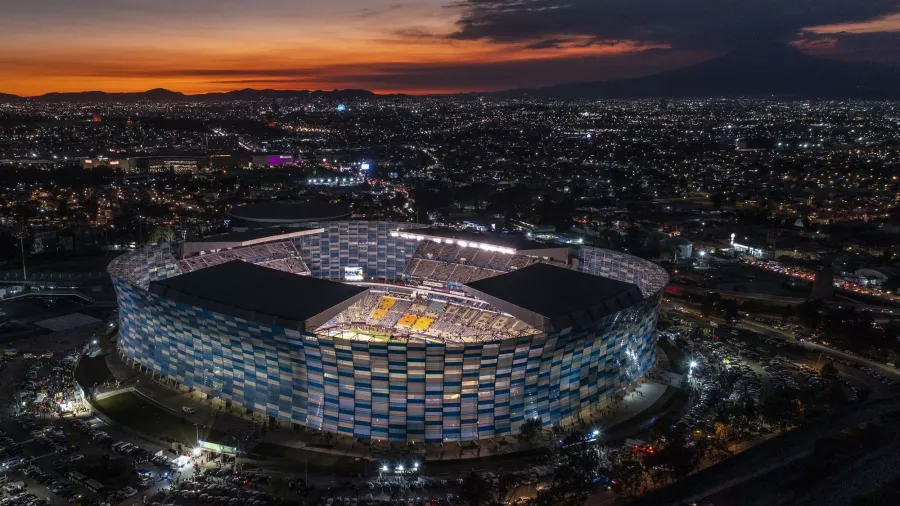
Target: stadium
[{"x": 390, "y": 331}]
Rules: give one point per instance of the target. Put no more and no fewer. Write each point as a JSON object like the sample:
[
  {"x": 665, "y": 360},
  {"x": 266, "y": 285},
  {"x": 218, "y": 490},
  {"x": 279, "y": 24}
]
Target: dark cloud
[
  {"x": 413, "y": 77},
  {"x": 371, "y": 13},
  {"x": 418, "y": 33},
  {"x": 551, "y": 43},
  {"x": 684, "y": 24},
  {"x": 881, "y": 47}
]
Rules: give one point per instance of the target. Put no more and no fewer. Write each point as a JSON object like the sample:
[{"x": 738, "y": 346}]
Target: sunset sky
[{"x": 420, "y": 46}]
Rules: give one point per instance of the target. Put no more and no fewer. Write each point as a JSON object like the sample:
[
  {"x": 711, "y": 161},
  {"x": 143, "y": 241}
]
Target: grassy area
[
  {"x": 132, "y": 410},
  {"x": 92, "y": 371}
]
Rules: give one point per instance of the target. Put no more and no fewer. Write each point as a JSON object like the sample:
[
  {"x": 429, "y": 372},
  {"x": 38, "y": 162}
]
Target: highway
[{"x": 884, "y": 311}]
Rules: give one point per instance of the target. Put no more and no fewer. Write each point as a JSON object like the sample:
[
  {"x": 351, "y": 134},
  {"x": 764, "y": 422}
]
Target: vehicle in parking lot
[
  {"x": 126, "y": 492},
  {"x": 94, "y": 486}
]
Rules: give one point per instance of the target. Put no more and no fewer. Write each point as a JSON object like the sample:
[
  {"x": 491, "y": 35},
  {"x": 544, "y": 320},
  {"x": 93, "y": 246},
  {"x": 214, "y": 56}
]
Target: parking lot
[{"x": 53, "y": 452}]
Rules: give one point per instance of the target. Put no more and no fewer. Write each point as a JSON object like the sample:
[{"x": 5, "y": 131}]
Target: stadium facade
[{"x": 390, "y": 331}]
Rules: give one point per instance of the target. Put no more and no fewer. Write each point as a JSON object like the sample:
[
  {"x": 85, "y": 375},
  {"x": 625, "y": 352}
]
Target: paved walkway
[{"x": 323, "y": 449}]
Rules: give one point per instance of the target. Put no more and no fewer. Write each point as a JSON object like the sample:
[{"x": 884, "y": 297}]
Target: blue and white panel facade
[
  {"x": 366, "y": 244},
  {"x": 398, "y": 391}
]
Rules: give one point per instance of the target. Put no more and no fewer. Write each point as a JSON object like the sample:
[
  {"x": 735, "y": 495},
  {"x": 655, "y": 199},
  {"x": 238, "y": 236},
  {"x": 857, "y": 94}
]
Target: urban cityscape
[{"x": 672, "y": 280}]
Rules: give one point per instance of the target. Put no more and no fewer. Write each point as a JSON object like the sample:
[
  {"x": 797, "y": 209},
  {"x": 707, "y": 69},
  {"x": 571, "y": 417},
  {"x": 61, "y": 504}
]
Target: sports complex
[{"x": 391, "y": 331}]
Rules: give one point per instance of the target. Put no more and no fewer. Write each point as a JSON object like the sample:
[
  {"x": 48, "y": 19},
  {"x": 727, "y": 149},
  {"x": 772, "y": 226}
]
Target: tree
[
  {"x": 278, "y": 486},
  {"x": 716, "y": 449},
  {"x": 808, "y": 311},
  {"x": 786, "y": 312},
  {"x": 729, "y": 309},
  {"x": 780, "y": 407},
  {"x": 529, "y": 430},
  {"x": 708, "y": 306},
  {"x": 62, "y": 207},
  {"x": 574, "y": 478},
  {"x": 475, "y": 490},
  {"x": 681, "y": 458},
  {"x": 162, "y": 235},
  {"x": 722, "y": 430},
  {"x": 829, "y": 371},
  {"x": 631, "y": 475}
]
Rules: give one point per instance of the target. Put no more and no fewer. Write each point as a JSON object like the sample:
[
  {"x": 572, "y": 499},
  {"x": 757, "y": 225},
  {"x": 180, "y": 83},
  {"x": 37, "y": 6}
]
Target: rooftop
[
  {"x": 553, "y": 298},
  {"x": 260, "y": 294}
]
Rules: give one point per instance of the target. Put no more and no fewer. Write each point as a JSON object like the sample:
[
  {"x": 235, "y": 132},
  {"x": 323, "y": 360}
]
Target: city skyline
[{"x": 425, "y": 47}]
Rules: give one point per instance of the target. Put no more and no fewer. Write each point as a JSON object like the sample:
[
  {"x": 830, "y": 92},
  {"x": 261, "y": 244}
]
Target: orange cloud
[
  {"x": 200, "y": 67},
  {"x": 889, "y": 23}
]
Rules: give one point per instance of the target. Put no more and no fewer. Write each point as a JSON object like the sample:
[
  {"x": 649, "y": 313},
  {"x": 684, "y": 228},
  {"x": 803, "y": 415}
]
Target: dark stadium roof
[
  {"x": 516, "y": 242},
  {"x": 260, "y": 294},
  {"x": 251, "y": 235},
  {"x": 290, "y": 212},
  {"x": 246, "y": 238},
  {"x": 553, "y": 298}
]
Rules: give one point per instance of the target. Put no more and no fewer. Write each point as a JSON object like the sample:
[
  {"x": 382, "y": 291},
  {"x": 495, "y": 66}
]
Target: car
[
  {"x": 76, "y": 457},
  {"x": 127, "y": 492}
]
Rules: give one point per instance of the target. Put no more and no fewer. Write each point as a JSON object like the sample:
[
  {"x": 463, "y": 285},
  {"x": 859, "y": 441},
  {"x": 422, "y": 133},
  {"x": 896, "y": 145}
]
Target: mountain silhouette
[
  {"x": 771, "y": 69},
  {"x": 763, "y": 70},
  {"x": 160, "y": 94}
]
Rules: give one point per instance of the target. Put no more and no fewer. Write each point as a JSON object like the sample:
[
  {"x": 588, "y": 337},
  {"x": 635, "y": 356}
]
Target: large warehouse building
[{"x": 389, "y": 330}]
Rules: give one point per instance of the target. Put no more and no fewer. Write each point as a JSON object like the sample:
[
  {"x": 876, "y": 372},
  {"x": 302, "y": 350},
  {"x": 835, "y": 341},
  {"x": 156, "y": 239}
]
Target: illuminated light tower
[{"x": 96, "y": 118}]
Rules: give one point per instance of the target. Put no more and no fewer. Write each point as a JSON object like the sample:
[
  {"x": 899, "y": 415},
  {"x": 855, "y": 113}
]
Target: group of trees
[
  {"x": 714, "y": 304},
  {"x": 675, "y": 451},
  {"x": 852, "y": 329},
  {"x": 585, "y": 468}
]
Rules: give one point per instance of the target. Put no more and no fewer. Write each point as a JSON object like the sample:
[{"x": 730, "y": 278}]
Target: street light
[
  {"x": 384, "y": 468},
  {"x": 693, "y": 364}
]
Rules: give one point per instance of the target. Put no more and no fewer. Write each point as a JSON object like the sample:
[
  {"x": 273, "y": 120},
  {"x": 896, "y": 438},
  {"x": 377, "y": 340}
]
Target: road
[
  {"x": 767, "y": 457},
  {"x": 759, "y": 328},
  {"x": 880, "y": 313}
]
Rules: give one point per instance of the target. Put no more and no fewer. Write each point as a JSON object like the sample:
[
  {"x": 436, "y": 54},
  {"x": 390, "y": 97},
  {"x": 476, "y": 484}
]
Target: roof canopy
[
  {"x": 553, "y": 298},
  {"x": 260, "y": 294}
]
